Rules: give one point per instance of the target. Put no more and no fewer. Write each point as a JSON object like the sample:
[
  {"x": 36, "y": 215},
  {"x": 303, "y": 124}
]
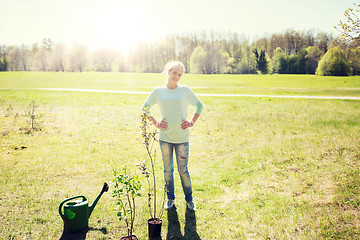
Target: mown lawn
[{"x": 261, "y": 168}]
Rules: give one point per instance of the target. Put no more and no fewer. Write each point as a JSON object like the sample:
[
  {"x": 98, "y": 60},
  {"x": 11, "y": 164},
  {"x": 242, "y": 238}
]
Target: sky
[{"x": 121, "y": 23}]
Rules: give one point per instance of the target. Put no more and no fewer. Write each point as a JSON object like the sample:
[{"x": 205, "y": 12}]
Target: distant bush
[
  {"x": 296, "y": 63},
  {"x": 334, "y": 63}
]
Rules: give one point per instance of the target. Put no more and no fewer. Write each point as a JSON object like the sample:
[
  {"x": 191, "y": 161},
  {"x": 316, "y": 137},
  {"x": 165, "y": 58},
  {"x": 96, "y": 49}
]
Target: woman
[{"x": 173, "y": 100}]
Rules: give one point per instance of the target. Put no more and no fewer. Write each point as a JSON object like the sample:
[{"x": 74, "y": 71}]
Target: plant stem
[
  {"x": 124, "y": 210},
  {"x": 132, "y": 217},
  {"x": 153, "y": 173},
  {"x": 149, "y": 199}
]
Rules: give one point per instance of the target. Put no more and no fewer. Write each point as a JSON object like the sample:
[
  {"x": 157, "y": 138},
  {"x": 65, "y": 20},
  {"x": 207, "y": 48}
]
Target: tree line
[{"x": 289, "y": 52}]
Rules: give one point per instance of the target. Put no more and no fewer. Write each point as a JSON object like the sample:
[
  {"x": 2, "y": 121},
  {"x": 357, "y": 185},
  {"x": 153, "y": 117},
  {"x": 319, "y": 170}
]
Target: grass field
[
  {"x": 261, "y": 168},
  {"x": 230, "y": 84}
]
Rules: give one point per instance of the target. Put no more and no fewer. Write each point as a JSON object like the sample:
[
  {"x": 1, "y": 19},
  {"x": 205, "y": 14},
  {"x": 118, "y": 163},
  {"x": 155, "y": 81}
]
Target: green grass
[
  {"x": 261, "y": 168},
  {"x": 230, "y": 84}
]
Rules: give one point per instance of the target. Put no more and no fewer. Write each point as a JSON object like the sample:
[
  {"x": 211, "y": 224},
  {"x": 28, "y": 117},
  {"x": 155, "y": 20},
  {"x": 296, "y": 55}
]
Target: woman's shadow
[{"x": 174, "y": 230}]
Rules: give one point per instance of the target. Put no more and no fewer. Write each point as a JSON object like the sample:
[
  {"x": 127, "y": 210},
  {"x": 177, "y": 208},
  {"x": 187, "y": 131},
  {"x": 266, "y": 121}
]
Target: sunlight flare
[{"x": 121, "y": 26}]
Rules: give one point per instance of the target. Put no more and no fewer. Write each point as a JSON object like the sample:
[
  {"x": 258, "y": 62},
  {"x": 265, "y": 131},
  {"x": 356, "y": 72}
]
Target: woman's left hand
[{"x": 186, "y": 124}]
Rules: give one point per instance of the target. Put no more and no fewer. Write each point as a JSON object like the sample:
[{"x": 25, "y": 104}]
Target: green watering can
[{"x": 77, "y": 212}]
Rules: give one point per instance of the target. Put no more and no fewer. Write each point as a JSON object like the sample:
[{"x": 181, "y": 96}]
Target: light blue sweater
[{"x": 173, "y": 106}]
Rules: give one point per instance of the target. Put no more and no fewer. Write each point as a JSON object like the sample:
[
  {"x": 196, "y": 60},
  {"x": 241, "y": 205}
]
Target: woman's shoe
[
  {"x": 191, "y": 206},
  {"x": 169, "y": 204}
]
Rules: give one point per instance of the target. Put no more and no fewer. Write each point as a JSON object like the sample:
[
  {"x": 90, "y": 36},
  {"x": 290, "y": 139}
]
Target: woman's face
[{"x": 175, "y": 74}]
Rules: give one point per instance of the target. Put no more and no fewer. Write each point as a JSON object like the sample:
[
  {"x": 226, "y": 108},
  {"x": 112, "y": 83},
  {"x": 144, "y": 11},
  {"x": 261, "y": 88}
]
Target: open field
[
  {"x": 226, "y": 84},
  {"x": 261, "y": 168}
]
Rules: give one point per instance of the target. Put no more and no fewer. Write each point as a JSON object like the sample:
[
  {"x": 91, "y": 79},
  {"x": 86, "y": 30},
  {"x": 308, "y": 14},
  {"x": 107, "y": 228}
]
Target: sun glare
[{"x": 121, "y": 27}]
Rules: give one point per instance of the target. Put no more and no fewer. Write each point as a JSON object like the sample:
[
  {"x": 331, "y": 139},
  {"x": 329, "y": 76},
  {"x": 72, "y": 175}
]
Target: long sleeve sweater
[{"x": 173, "y": 106}]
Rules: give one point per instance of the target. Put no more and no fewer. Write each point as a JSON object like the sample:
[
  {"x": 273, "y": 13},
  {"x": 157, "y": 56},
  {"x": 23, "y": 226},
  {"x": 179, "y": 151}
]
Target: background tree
[
  {"x": 121, "y": 62},
  {"x": 198, "y": 60},
  {"x": 334, "y": 63},
  {"x": 48, "y": 44},
  {"x": 3, "y": 57},
  {"x": 140, "y": 58},
  {"x": 104, "y": 59},
  {"x": 167, "y": 49},
  {"x": 312, "y": 58},
  {"x": 235, "y": 52},
  {"x": 186, "y": 45},
  {"x": 41, "y": 60},
  {"x": 323, "y": 41},
  {"x": 78, "y": 58},
  {"x": 350, "y": 30},
  {"x": 210, "y": 59},
  {"x": 284, "y": 66},
  {"x": 247, "y": 63},
  {"x": 289, "y": 42},
  {"x": 261, "y": 61},
  {"x": 297, "y": 62},
  {"x": 14, "y": 58},
  {"x": 217, "y": 59},
  {"x": 24, "y": 61},
  {"x": 309, "y": 38},
  {"x": 353, "y": 55},
  {"x": 58, "y": 56},
  {"x": 261, "y": 43},
  {"x": 278, "y": 54},
  {"x": 201, "y": 52}
]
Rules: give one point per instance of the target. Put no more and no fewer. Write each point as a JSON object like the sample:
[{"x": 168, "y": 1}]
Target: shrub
[
  {"x": 126, "y": 189},
  {"x": 334, "y": 63}
]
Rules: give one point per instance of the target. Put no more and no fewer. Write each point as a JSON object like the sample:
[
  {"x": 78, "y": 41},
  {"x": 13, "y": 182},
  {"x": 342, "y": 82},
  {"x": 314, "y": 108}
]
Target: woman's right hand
[{"x": 162, "y": 124}]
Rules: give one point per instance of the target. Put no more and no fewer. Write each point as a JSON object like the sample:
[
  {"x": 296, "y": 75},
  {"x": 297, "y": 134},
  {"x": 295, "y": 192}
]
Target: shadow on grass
[
  {"x": 80, "y": 235},
  {"x": 174, "y": 230}
]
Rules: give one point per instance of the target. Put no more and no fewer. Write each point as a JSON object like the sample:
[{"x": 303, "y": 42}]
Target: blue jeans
[{"x": 182, "y": 157}]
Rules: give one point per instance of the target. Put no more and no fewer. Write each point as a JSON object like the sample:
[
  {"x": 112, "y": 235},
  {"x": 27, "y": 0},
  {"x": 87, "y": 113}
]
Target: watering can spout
[{"x": 104, "y": 189}]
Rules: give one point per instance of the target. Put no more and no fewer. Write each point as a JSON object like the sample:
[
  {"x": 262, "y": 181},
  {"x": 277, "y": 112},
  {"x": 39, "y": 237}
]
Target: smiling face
[{"x": 174, "y": 75}]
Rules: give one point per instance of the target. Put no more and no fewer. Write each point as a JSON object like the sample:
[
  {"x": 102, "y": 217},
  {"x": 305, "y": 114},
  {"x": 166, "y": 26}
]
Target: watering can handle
[{"x": 68, "y": 199}]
